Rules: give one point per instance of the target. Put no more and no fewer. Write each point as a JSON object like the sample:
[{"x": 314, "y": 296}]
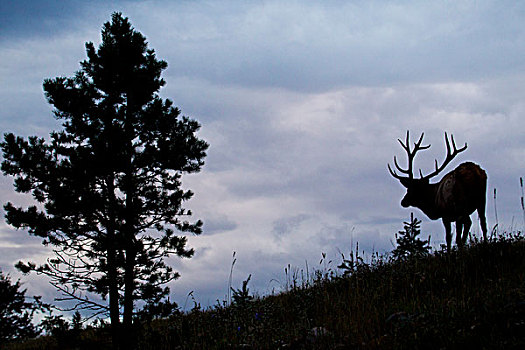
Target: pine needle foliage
[
  {"x": 107, "y": 187},
  {"x": 241, "y": 297},
  {"x": 409, "y": 244},
  {"x": 16, "y": 311}
]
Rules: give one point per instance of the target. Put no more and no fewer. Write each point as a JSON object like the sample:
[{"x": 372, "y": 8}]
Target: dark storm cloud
[
  {"x": 284, "y": 226},
  {"x": 20, "y": 19},
  {"x": 218, "y": 224},
  {"x": 302, "y": 103},
  {"x": 25, "y": 17},
  {"x": 312, "y": 46}
]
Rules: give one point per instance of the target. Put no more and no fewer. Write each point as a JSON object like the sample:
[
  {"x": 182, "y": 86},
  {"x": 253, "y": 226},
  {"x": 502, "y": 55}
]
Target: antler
[
  {"x": 410, "y": 154},
  {"x": 448, "y": 159}
]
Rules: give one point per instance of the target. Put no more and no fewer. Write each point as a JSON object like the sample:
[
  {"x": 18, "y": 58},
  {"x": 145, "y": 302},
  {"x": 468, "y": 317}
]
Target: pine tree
[
  {"x": 408, "y": 242},
  {"x": 108, "y": 185},
  {"x": 16, "y": 312},
  {"x": 242, "y": 297}
]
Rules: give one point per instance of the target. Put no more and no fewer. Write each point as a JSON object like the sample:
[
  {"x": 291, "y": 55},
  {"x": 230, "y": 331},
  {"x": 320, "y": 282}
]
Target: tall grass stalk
[
  {"x": 230, "y": 279},
  {"x": 495, "y": 229},
  {"x": 522, "y": 202}
]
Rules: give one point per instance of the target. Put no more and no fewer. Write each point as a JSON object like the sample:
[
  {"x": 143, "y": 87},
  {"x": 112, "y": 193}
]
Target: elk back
[{"x": 461, "y": 191}]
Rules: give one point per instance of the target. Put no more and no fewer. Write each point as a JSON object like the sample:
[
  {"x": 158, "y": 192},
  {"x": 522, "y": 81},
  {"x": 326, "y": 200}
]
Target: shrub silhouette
[{"x": 408, "y": 242}]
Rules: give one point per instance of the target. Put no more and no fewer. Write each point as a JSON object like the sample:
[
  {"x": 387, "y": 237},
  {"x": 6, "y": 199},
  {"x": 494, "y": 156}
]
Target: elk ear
[{"x": 405, "y": 182}]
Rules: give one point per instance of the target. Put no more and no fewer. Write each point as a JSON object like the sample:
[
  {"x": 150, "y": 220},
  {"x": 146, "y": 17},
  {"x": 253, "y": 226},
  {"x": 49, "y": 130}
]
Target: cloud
[
  {"x": 302, "y": 103},
  {"x": 286, "y": 225},
  {"x": 218, "y": 224},
  {"x": 311, "y": 46},
  {"x": 326, "y": 187}
]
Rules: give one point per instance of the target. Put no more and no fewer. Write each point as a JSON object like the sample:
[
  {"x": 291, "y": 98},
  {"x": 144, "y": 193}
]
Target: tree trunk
[
  {"x": 129, "y": 226},
  {"x": 129, "y": 340},
  {"x": 130, "y": 248},
  {"x": 114, "y": 311},
  {"x": 129, "y": 288},
  {"x": 112, "y": 273}
]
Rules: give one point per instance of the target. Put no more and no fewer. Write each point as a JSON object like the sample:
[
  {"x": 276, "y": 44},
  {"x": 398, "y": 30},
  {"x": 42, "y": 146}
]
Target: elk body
[{"x": 459, "y": 193}]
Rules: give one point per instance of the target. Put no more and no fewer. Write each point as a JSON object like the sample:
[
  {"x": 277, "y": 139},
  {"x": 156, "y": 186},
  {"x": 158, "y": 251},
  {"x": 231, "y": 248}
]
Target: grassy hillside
[{"x": 469, "y": 299}]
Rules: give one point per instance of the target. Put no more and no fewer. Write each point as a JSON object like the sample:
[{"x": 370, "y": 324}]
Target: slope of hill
[{"x": 473, "y": 298}]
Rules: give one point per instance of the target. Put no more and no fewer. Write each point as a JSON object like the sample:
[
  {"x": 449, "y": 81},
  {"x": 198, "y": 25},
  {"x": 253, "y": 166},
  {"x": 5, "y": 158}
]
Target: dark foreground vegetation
[{"x": 473, "y": 298}]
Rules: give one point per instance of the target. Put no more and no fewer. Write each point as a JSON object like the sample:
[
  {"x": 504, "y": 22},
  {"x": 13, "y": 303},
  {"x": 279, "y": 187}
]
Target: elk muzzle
[{"x": 405, "y": 202}]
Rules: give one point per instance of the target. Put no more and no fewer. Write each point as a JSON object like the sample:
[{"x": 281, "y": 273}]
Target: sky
[{"x": 302, "y": 103}]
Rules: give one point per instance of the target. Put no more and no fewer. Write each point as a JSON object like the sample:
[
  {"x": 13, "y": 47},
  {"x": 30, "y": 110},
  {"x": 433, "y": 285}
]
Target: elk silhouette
[{"x": 453, "y": 199}]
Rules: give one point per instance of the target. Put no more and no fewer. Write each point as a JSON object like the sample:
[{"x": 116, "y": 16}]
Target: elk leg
[
  {"x": 448, "y": 233},
  {"x": 467, "y": 223},
  {"x": 483, "y": 220},
  {"x": 459, "y": 230}
]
